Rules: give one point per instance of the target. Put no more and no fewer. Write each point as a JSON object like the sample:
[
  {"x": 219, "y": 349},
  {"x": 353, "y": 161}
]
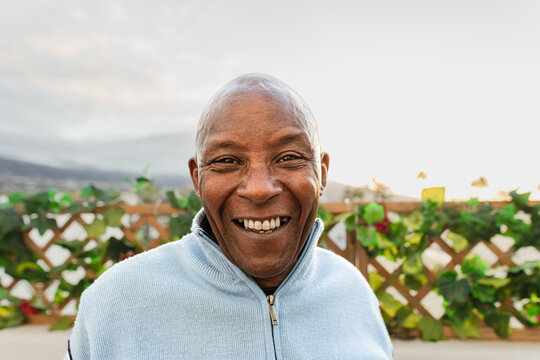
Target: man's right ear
[{"x": 194, "y": 172}]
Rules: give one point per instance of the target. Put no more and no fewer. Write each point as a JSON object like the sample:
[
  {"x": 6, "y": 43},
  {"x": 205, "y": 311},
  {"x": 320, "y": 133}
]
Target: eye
[
  {"x": 289, "y": 157},
  {"x": 227, "y": 160},
  {"x": 225, "y": 164}
]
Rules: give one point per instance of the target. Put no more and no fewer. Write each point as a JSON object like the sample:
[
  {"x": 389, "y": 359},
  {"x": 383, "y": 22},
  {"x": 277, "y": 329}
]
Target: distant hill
[
  {"x": 28, "y": 177},
  {"x": 337, "y": 192},
  {"x": 161, "y": 154}
]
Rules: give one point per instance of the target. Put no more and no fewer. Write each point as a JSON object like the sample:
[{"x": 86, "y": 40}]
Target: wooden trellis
[
  {"x": 144, "y": 225},
  {"x": 355, "y": 253}
]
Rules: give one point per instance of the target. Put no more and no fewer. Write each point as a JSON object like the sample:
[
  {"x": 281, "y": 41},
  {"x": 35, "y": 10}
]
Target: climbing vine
[{"x": 472, "y": 292}]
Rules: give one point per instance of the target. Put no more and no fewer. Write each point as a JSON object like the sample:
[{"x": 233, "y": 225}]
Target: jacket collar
[{"x": 224, "y": 268}]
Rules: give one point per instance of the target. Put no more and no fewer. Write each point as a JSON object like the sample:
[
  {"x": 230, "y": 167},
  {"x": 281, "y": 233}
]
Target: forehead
[{"x": 254, "y": 119}]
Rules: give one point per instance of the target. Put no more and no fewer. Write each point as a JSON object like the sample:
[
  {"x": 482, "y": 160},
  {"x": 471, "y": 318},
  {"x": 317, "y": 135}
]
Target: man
[{"x": 249, "y": 282}]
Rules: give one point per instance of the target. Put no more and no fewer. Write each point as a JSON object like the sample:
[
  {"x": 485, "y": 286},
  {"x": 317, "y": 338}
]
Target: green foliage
[
  {"x": 407, "y": 318},
  {"x": 430, "y": 329},
  {"x": 180, "y": 225},
  {"x": 466, "y": 329},
  {"x": 471, "y": 295},
  {"x": 63, "y": 323},
  {"x": 373, "y": 213},
  {"x": 388, "y": 303},
  {"x": 413, "y": 265},
  {"x": 38, "y": 211},
  {"x": 10, "y": 316}
]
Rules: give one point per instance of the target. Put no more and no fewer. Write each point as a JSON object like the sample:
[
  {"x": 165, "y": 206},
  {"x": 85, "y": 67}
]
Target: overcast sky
[{"x": 450, "y": 88}]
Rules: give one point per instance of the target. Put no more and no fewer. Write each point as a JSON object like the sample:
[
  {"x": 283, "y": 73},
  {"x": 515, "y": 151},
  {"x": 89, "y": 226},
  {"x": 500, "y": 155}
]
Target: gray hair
[{"x": 256, "y": 85}]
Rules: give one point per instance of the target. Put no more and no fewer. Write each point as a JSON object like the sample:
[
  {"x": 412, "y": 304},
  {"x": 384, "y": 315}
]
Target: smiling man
[{"x": 249, "y": 282}]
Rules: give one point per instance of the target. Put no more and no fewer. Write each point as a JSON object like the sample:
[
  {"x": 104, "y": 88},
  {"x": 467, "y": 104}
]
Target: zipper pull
[{"x": 273, "y": 316}]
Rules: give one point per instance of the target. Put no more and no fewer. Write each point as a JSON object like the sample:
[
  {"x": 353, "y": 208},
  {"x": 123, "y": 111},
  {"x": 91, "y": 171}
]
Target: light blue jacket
[{"x": 186, "y": 300}]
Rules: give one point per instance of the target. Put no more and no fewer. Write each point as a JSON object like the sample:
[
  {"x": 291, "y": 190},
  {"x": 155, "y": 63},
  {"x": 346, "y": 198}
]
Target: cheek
[{"x": 214, "y": 191}]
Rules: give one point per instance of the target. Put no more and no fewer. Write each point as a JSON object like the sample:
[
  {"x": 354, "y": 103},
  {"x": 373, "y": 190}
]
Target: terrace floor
[{"x": 35, "y": 342}]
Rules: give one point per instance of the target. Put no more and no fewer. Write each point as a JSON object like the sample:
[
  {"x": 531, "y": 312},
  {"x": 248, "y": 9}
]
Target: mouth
[{"x": 262, "y": 226}]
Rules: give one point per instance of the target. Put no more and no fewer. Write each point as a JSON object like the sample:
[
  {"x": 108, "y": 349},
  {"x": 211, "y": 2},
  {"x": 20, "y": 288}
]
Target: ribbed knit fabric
[{"x": 186, "y": 300}]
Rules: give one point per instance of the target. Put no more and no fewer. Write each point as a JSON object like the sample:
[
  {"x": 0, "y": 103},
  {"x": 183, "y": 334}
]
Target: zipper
[{"x": 273, "y": 316}]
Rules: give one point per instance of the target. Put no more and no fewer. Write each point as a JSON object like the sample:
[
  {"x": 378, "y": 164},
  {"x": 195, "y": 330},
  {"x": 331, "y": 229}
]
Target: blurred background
[{"x": 408, "y": 94}]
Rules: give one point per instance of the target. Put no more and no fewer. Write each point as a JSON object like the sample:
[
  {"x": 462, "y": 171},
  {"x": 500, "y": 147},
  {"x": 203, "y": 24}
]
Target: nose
[{"x": 258, "y": 184}]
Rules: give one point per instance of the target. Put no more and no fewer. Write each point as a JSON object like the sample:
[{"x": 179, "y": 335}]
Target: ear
[
  {"x": 325, "y": 163},
  {"x": 194, "y": 172}
]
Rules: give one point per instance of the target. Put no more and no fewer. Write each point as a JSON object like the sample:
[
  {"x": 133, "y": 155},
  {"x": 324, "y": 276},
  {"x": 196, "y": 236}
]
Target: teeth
[{"x": 262, "y": 226}]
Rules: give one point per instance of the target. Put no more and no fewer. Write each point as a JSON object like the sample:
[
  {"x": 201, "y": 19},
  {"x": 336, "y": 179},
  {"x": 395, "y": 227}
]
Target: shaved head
[{"x": 252, "y": 86}]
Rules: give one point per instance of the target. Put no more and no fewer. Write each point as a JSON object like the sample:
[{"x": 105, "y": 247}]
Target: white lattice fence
[
  {"x": 143, "y": 225},
  {"x": 440, "y": 255}
]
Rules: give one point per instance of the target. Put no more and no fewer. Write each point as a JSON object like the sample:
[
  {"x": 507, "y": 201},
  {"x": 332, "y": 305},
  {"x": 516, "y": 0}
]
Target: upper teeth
[{"x": 269, "y": 224}]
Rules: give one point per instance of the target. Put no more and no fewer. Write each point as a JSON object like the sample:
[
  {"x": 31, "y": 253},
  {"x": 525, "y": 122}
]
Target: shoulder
[
  {"x": 339, "y": 274},
  {"x": 337, "y": 264},
  {"x": 155, "y": 266}
]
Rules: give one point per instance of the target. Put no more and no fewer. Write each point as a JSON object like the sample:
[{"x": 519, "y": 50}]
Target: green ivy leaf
[
  {"x": 74, "y": 246},
  {"x": 382, "y": 241},
  {"x": 484, "y": 293},
  {"x": 42, "y": 224},
  {"x": 531, "y": 313},
  {"x": 459, "y": 243},
  {"x": 172, "y": 199},
  {"x": 414, "y": 221},
  {"x": 16, "y": 197},
  {"x": 459, "y": 312},
  {"x": 66, "y": 200},
  {"x": 96, "y": 228},
  {"x": 414, "y": 238},
  {"x": 113, "y": 216},
  {"x": 431, "y": 329},
  {"x": 194, "y": 202},
  {"x": 413, "y": 265},
  {"x": 414, "y": 282},
  {"x": 3, "y": 293},
  {"x": 451, "y": 289},
  {"x": 366, "y": 236},
  {"x": 373, "y": 213},
  {"x": 407, "y": 318},
  {"x": 116, "y": 248},
  {"x": 180, "y": 225},
  {"x": 10, "y": 317},
  {"x": 467, "y": 329},
  {"x": 32, "y": 272},
  {"x": 375, "y": 280},
  {"x": 350, "y": 223},
  {"x": 499, "y": 320},
  {"x": 495, "y": 282},
  {"x": 473, "y": 202},
  {"x": 388, "y": 304},
  {"x": 474, "y": 266},
  {"x": 520, "y": 199},
  {"x": 63, "y": 323}
]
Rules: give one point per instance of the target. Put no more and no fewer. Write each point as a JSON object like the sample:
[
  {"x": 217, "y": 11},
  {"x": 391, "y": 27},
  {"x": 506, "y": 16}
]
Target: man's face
[{"x": 259, "y": 181}]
